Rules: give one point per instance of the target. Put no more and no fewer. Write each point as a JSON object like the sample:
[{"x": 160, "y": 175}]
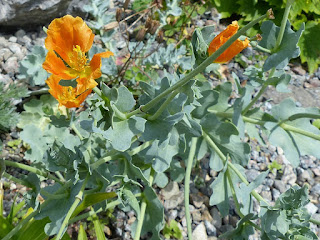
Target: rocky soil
[{"x": 207, "y": 222}]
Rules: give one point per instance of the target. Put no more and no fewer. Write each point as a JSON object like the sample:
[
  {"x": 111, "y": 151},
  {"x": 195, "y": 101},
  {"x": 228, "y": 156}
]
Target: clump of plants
[{"x": 125, "y": 140}]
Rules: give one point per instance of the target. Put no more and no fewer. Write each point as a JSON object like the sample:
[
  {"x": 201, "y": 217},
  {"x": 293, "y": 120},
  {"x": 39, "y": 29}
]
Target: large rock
[{"x": 28, "y": 13}]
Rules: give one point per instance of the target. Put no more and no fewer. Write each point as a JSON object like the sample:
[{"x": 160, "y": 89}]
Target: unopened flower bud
[
  {"x": 119, "y": 13},
  {"x": 159, "y": 37},
  {"x": 141, "y": 33}
]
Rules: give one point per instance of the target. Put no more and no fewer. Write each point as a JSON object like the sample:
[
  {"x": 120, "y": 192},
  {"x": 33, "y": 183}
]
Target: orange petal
[
  {"x": 53, "y": 64},
  {"x": 85, "y": 83},
  {"x": 65, "y": 33},
  {"x": 235, "y": 48},
  {"x": 95, "y": 63},
  {"x": 66, "y": 96}
]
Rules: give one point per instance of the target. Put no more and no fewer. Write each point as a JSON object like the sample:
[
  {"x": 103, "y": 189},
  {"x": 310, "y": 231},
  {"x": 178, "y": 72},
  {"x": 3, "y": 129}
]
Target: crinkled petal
[
  {"x": 66, "y": 96},
  {"x": 85, "y": 83},
  {"x": 95, "y": 63},
  {"x": 235, "y": 48},
  {"x": 65, "y": 33},
  {"x": 53, "y": 64}
]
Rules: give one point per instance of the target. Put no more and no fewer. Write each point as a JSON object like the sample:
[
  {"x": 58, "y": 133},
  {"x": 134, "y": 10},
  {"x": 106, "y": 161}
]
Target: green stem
[
  {"x": 110, "y": 205},
  {"x": 234, "y": 196},
  {"x": 143, "y": 209},
  {"x": 75, "y": 129},
  {"x": 33, "y": 170},
  {"x": 224, "y": 159},
  {"x": 255, "y": 99},
  {"x": 286, "y": 127},
  {"x": 53, "y": 196},
  {"x": 59, "y": 175},
  {"x": 17, "y": 180},
  {"x": 196, "y": 71},
  {"x": 315, "y": 221},
  {"x": 283, "y": 24},
  {"x": 187, "y": 185},
  {"x": 38, "y": 92},
  {"x": 76, "y": 202},
  {"x": 263, "y": 49},
  {"x": 304, "y": 115},
  {"x": 163, "y": 106}
]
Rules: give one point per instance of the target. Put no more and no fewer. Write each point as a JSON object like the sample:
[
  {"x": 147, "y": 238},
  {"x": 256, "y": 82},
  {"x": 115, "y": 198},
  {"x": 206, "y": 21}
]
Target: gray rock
[
  {"x": 22, "y": 13},
  {"x": 217, "y": 221},
  {"x": 12, "y": 39},
  {"x": 288, "y": 175},
  {"x": 3, "y": 42},
  {"x": 275, "y": 194},
  {"x": 200, "y": 232},
  {"x": 252, "y": 174},
  {"x": 172, "y": 215},
  {"x": 174, "y": 201},
  {"x": 211, "y": 230},
  {"x": 17, "y": 50},
  {"x": 20, "y": 33},
  {"x": 316, "y": 189},
  {"x": 5, "y": 54},
  {"x": 281, "y": 186},
  {"x": 311, "y": 208},
  {"x": 11, "y": 65},
  {"x": 170, "y": 190}
]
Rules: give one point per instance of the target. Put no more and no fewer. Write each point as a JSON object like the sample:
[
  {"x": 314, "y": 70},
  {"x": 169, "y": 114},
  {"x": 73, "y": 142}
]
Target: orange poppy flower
[
  {"x": 235, "y": 48},
  {"x": 66, "y": 96},
  {"x": 68, "y": 41}
]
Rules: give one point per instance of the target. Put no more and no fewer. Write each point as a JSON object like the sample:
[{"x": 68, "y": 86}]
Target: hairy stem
[
  {"x": 187, "y": 185},
  {"x": 143, "y": 209}
]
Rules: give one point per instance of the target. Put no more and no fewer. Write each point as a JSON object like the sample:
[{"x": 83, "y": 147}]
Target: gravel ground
[{"x": 207, "y": 222}]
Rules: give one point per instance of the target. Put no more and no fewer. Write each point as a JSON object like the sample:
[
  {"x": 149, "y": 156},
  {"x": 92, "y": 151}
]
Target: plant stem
[
  {"x": 315, "y": 221},
  {"x": 33, "y": 170},
  {"x": 255, "y": 99},
  {"x": 90, "y": 213},
  {"x": 59, "y": 175},
  {"x": 187, "y": 185},
  {"x": 263, "y": 49},
  {"x": 77, "y": 132},
  {"x": 224, "y": 159},
  {"x": 38, "y": 92},
  {"x": 163, "y": 106},
  {"x": 16, "y": 180},
  {"x": 283, "y": 24},
  {"x": 1, "y": 197},
  {"x": 131, "y": 153},
  {"x": 285, "y": 126},
  {"x": 143, "y": 209},
  {"x": 77, "y": 200},
  {"x": 196, "y": 71},
  {"x": 288, "y": 127}
]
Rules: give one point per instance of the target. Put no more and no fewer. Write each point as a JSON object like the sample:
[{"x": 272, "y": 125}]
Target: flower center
[
  {"x": 78, "y": 59},
  {"x": 68, "y": 94}
]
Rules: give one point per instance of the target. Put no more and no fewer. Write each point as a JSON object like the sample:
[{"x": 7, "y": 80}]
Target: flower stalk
[{"x": 187, "y": 185}]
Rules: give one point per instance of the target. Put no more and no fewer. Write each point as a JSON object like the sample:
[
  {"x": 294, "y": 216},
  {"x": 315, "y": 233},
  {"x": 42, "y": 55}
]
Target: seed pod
[
  {"x": 119, "y": 14},
  {"x": 154, "y": 27},
  {"x": 159, "y": 37},
  {"x": 148, "y": 23},
  {"x": 141, "y": 33}
]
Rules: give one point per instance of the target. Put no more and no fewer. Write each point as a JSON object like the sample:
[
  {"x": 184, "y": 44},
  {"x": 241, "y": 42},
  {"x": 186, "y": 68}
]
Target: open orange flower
[
  {"x": 68, "y": 41},
  {"x": 235, "y": 48},
  {"x": 66, "y": 96}
]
